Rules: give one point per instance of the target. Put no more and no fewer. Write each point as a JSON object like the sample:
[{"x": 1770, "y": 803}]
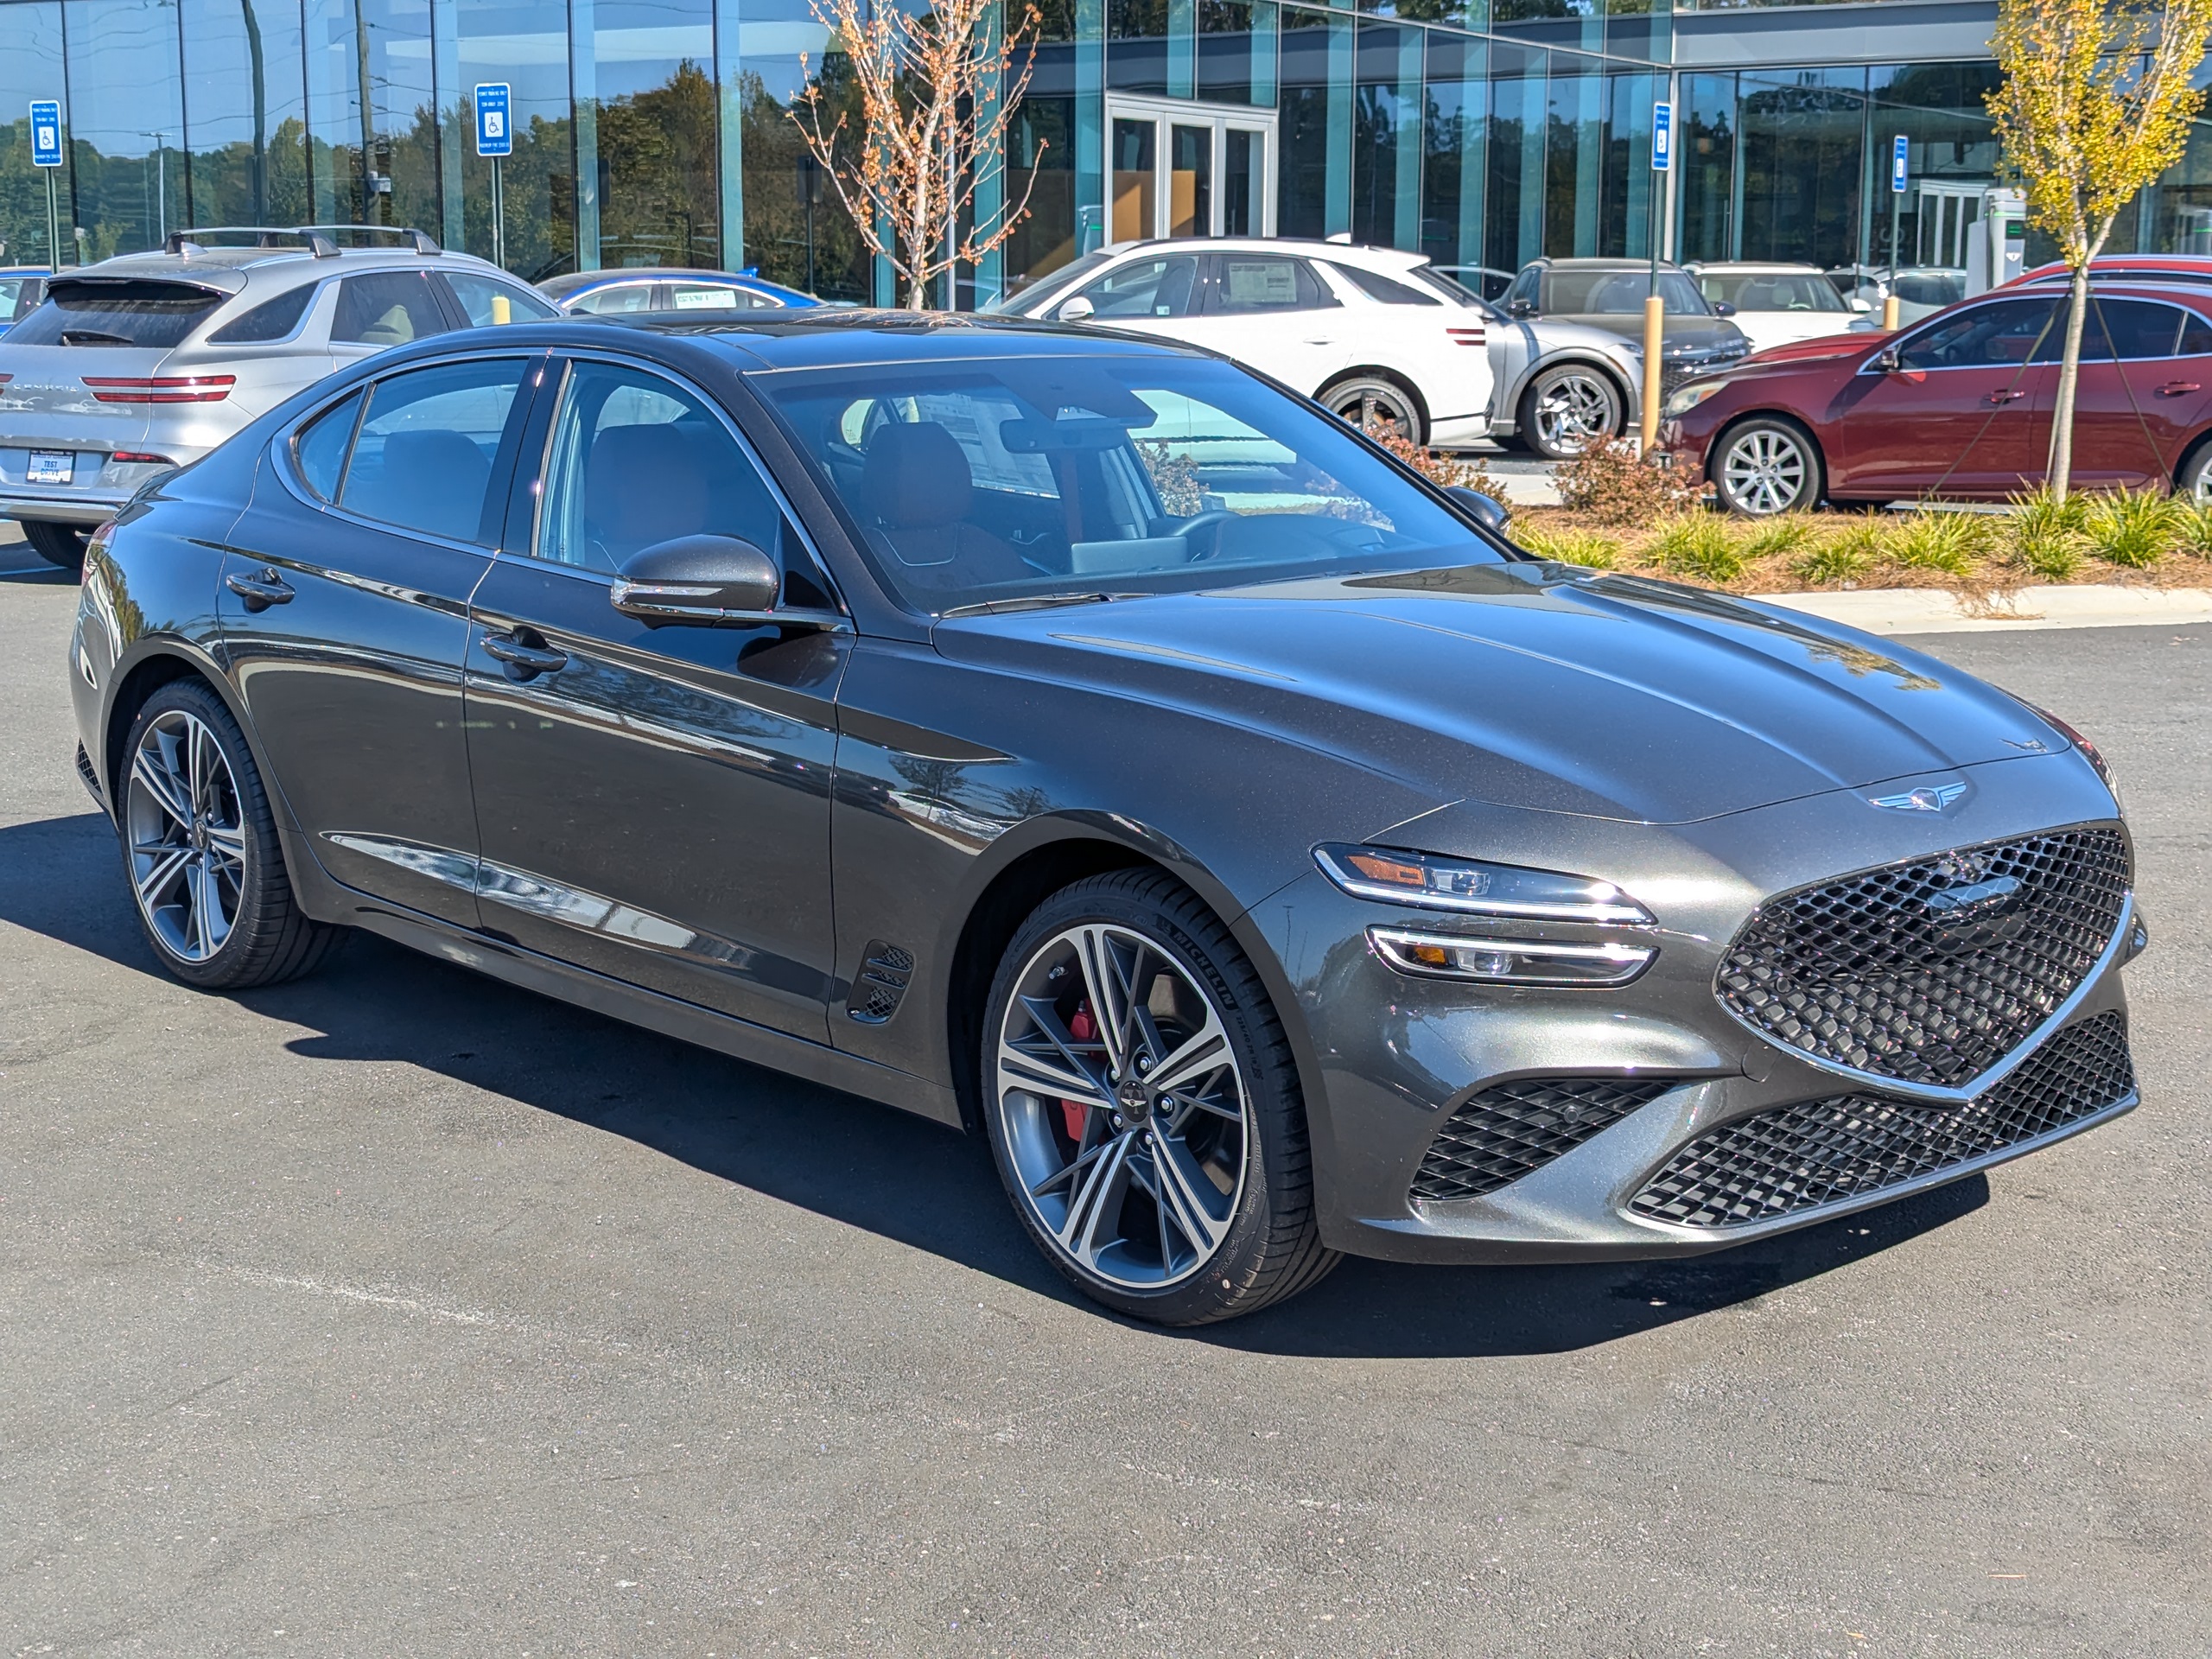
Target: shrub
[
  {"x": 1845, "y": 559},
  {"x": 1699, "y": 544},
  {"x": 1608, "y": 483},
  {"x": 1446, "y": 471},
  {"x": 1572, "y": 546},
  {"x": 1787, "y": 534},
  {"x": 1945, "y": 541},
  {"x": 2046, "y": 534},
  {"x": 2132, "y": 527},
  {"x": 2194, "y": 520}
]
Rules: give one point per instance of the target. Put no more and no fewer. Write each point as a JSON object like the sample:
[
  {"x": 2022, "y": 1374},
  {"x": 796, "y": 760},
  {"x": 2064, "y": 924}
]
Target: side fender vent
[{"x": 883, "y": 978}]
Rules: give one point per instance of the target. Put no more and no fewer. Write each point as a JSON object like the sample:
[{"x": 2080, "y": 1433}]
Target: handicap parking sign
[
  {"x": 46, "y": 134},
  {"x": 493, "y": 136}
]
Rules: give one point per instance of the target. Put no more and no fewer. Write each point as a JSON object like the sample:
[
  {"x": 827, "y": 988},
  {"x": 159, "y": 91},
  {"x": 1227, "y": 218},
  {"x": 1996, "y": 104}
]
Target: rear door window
[
  {"x": 429, "y": 447},
  {"x": 386, "y": 307},
  {"x": 270, "y": 320},
  {"x": 618, "y": 300},
  {"x": 717, "y": 296},
  {"x": 81, "y": 312},
  {"x": 1258, "y": 285}
]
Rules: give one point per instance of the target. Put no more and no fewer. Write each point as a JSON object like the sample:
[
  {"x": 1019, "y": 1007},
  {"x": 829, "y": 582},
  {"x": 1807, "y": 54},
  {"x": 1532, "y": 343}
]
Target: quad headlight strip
[{"x": 1475, "y": 887}]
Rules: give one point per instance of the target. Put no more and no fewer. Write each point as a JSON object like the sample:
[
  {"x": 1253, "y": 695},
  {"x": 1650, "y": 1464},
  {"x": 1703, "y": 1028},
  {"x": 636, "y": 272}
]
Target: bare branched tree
[{"x": 936, "y": 94}]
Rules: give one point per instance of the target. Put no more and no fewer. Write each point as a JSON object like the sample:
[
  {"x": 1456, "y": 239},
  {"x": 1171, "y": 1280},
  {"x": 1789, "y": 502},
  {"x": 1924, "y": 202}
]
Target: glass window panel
[
  {"x": 386, "y": 307},
  {"x": 1989, "y": 336},
  {"x": 1938, "y": 109},
  {"x": 525, "y": 44},
  {"x": 658, "y": 133},
  {"x": 1456, "y": 130},
  {"x": 1136, "y": 211},
  {"x": 1190, "y": 181},
  {"x": 30, "y": 67},
  {"x": 375, "y": 128},
  {"x": 1803, "y": 135},
  {"x": 1146, "y": 288},
  {"x": 126, "y": 123},
  {"x": 1226, "y": 48},
  {"x": 1705, "y": 155},
  {"x": 1136, "y": 53},
  {"x": 487, "y": 302},
  {"x": 1313, "y": 172},
  {"x": 270, "y": 320},
  {"x": 1039, "y": 165},
  {"x": 622, "y": 298},
  {"x": 321, "y": 448},
  {"x": 1574, "y": 117},
  {"x": 796, "y": 231},
  {"x": 1386, "y": 136},
  {"x": 424, "y": 459},
  {"x": 1514, "y": 202},
  {"x": 245, "y": 113}
]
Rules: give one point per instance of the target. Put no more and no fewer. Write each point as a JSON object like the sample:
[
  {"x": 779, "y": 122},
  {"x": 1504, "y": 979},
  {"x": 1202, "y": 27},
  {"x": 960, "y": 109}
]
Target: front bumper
[{"x": 1407, "y": 1065}]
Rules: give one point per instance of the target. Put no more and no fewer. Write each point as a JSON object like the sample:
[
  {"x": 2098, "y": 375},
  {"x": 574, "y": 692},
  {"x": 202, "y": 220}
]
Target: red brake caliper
[{"x": 1084, "y": 1029}]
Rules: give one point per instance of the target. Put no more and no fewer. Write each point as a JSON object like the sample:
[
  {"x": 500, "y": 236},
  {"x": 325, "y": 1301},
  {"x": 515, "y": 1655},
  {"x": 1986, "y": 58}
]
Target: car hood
[
  {"x": 1812, "y": 351},
  {"x": 1537, "y": 686}
]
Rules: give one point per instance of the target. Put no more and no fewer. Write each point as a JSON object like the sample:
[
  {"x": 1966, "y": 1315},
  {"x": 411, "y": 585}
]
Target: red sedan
[{"x": 1960, "y": 405}]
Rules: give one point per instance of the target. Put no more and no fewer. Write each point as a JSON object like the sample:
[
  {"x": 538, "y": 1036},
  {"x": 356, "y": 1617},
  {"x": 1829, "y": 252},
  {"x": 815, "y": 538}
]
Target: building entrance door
[{"x": 1190, "y": 169}]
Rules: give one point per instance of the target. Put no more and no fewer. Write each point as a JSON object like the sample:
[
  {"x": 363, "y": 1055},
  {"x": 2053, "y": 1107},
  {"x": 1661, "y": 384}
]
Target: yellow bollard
[
  {"x": 1890, "y": 313},
  {"x": 1655, "y": 336},
  {"x": 503, "y": 309}
]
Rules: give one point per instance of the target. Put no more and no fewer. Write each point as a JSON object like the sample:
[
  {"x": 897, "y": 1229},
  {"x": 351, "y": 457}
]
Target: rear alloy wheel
[
  {"x": 1143, "y": 1108},
  {"x": 200, "y": 846},
  {"x": 1765, "y": 468},
  {"x": 62, "y": 546},
  {"x": 1569, "y": 410},
  {"x": 1377, "y": 407}
]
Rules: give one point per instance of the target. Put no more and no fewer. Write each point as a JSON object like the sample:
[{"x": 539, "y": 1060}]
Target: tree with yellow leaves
[
  {"x": 935, "y": 92},
  {"x": 2095, "y": 103}
]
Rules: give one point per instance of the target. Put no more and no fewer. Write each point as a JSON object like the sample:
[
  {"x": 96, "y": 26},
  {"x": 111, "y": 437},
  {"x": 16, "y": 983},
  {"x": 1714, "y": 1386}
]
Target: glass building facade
[{"x": 1482, "y": 132}]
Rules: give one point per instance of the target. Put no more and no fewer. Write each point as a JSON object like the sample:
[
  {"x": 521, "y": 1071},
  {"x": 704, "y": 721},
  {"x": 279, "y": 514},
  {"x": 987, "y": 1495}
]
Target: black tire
[
  {"x": 62, "y": 545},
  {"x": 1566, "y": 409},
  {"x": 2194, "y": 481},
  {"x": 1376, "y": 402},
  {"x": 1269, "y": 1246},
  {"x": 1766, "y": 466},
  {"x": 266, "y": 938}
]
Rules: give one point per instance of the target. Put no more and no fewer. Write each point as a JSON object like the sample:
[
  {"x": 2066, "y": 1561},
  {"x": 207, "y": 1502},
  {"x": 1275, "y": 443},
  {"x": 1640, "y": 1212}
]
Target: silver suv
[{"x": 147, "y": 361}]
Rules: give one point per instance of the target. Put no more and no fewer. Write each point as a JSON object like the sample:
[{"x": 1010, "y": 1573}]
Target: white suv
[{"x": 1378, "y": 336}]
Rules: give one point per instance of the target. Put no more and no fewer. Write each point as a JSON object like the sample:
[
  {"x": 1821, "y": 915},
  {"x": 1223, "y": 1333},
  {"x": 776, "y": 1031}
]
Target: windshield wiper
[
  {"x": 1035, "y": 602},
  {"x": 94, "y": 337}
]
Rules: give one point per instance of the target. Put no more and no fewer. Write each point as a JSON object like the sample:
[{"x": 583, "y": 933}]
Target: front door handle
[
  {"x": 525, "y": 658},
  {"x": 2007, "y": 395},
  {"x": 2178, "y": 388},
  {"x": 260, "y": 590}
]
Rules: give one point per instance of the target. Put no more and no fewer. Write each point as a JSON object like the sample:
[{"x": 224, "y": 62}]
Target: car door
[
  {"x": 378, "y": 309},
  {"x": 343, "y": 607},
  {"x": 1965, "y": 410},
  {"x": 1273, "y": 312},
  {"x": 654, "y": 801},
  {"x": 2136, "y": 404}
]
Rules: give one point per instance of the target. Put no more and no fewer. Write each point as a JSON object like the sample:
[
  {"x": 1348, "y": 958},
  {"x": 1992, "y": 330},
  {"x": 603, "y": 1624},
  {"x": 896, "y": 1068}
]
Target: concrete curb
[{"x": 1927, "y": 610}]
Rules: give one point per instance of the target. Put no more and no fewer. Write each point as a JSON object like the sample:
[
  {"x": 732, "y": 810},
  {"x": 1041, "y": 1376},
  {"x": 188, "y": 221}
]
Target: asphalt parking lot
[{"x": 399, "y": 1313}]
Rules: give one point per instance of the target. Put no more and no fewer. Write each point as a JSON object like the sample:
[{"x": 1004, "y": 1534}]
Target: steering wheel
[{"x": 1206, "y": 520}]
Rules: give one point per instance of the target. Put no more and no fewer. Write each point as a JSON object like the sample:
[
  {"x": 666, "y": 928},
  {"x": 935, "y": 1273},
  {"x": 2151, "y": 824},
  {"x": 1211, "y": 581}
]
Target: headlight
[
  {"x": 1689, "y": 397},
  {"x": 1403, "y": 877},
  {"x": 1507, "y": 962}
]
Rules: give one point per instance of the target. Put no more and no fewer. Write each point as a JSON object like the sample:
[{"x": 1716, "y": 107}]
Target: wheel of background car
[
  {"x": 1143, "y": 1108},
  {"x": 1764, "y": 467},
  {"x": 2195, "y": 479},
  {"x": 1374, "y": 405},
  {"x": 201, "y": 851},
  {"x": 1191, "y": 529},
  {"x": 1568, "y": 409},
  {"x": 58, "y": 544}
]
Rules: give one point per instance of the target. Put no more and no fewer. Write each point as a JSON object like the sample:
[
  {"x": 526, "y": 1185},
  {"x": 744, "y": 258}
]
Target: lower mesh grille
[
  {"x": 1502, "y": 1133},
  {"x": 1801, "y": 1156}
]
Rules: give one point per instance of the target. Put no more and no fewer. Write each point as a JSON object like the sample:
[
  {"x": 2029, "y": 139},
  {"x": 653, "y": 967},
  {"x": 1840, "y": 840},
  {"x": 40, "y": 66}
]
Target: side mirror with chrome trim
[
  {"x": 1886, "y": 360},
  {"x": 710, "y": 582},
  {"x": 1487, "y": 511},
  {"x": 1077, "y": 309}
]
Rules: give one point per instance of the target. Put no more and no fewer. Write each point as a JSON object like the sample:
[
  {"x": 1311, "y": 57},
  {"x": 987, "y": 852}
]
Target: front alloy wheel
[
  {"x": 1569, "y": 410},
  {"x": 1143, "y": 1108},
  {"x": 1767, "y": 468}
]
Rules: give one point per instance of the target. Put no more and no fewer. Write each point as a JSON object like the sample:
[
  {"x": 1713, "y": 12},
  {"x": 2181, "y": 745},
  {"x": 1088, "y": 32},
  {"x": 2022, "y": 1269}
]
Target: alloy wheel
[
  {"x": 1122, "y": 1107},
  {"x": 1377, "y": 413},
  {"x": 1765, "y": 470},
  {"x": 1574, "y": 412},
  {"x": 187, "y": 840}
]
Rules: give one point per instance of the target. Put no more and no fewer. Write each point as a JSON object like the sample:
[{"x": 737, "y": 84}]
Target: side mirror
[
  {"x": 1723, "y": 309},
  {"x": 709, "y": 581},
  {"x": 1859, "y": 305},
  {"x": 1886, "y": 360},
  {"x": 1487, "y": 511},
  {"x": 1521, "y": 308},
  {"x": 1077, "y": 309}
]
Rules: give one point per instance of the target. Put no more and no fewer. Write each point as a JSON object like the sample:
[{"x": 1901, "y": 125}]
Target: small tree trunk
[{"x": 2070, "y": 376}]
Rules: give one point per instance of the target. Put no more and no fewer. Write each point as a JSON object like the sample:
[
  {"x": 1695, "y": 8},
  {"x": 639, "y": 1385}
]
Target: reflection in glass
[
  {"x": 795, "y": 230},
  {"x": 1136, "y": 212},
  {"x": 126, "y": 123},
  {"x": 525, "y": 43},
  {"x": 1190, "y": 182},
  {"x": 1706, "y": 153},
  {"x": 1387, "y": 148},
  {"x": 246, "y": 108},
  {"x": 1801, "y": 147},
  {"x": 1513, "y": 203},
  {"x": 1313, "y": 175},
  {"x": 1243, "y": 177},
  {"x": 30, "y": 67},
  {"x": 1456, "y": 129},
  {"x": 658, "y": 133}
]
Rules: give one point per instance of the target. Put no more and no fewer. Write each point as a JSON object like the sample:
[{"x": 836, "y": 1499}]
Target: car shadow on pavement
[{"x": 888, "y": 1171}]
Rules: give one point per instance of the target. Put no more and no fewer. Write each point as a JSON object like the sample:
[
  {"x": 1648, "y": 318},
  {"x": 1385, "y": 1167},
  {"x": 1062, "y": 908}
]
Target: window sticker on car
[
  {"x": 52, "y": 467},
  {"x": 1262, "y": 281},
  {"x": 706, "y": 299}
]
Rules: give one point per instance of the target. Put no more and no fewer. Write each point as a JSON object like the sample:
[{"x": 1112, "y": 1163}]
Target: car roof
[
  {"x": 1755, "y": 265},
  {"x": 575, "y": 281},
  {"x": 1551, "y": 263},
  {"x": 227, "y": 269},
  {"x": 835, "y": 337},
  {"x": 1305, "y": 247}
]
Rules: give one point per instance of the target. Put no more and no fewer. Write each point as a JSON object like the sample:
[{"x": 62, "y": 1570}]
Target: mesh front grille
[
  {"x": 1932, "y": 971},
  {"x": 1502, "y": 1133},
  {"x": 1799, "y": 1157}
]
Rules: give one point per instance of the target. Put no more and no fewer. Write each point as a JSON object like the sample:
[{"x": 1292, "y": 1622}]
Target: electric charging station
[{"x": 1997, "y": 246}]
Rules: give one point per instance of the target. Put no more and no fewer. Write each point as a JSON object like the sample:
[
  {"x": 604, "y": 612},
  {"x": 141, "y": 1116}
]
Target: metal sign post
[
  {"x": 495, "y": 141},
  {"x": 46, "y": 153},
  {"x": 1655, "y": 308},
  {"x": 1900, "y": 172}
]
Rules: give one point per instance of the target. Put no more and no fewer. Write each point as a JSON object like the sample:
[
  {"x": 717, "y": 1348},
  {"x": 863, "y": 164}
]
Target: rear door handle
[
  {"x": 2178, "y": 388},
  {"x": 260, "y": 590},
  {"x": 524, "y": 660},
  {"x": 2007, "y": 395}
]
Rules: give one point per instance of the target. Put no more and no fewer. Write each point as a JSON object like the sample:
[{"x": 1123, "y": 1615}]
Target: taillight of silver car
[{"x": 161, "y": 388}]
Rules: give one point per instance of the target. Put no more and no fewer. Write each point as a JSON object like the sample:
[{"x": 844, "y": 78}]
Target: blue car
[
  {"x": 21, "y": 287},
  {"x": 669, "y": 288}
]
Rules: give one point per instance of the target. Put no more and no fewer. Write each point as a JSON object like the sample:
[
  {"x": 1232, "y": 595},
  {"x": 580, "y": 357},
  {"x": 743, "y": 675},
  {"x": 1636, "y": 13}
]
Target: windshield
[
  {"x": 151, "y": 314},
  {"x": 980, "y": 481},
  {"x": 1027, "y": 301},
  {"x": 1773, "y": 290},
  {"x": 1618, "y": 293}
]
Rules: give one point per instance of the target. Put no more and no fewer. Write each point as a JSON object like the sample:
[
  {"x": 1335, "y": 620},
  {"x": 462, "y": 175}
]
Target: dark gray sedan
[{"x": 1076, "y": 740}]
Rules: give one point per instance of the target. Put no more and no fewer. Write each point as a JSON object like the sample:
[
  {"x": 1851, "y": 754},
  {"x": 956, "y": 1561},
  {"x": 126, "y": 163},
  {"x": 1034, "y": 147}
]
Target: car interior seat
[
  {"x": 645, "y": 484},
  {"x": 432, "y": 480},
  {"x": 917, "y": 485}
]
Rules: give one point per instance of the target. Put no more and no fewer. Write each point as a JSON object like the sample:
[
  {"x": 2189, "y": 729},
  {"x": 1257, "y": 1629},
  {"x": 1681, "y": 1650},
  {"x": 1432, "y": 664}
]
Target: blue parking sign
[
  {"x": 46, "y": 134},
  {"x": 1663, "y": 136},
  {"x": 1898, "y": 164},
  {"x": 493, "y": 135}
]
